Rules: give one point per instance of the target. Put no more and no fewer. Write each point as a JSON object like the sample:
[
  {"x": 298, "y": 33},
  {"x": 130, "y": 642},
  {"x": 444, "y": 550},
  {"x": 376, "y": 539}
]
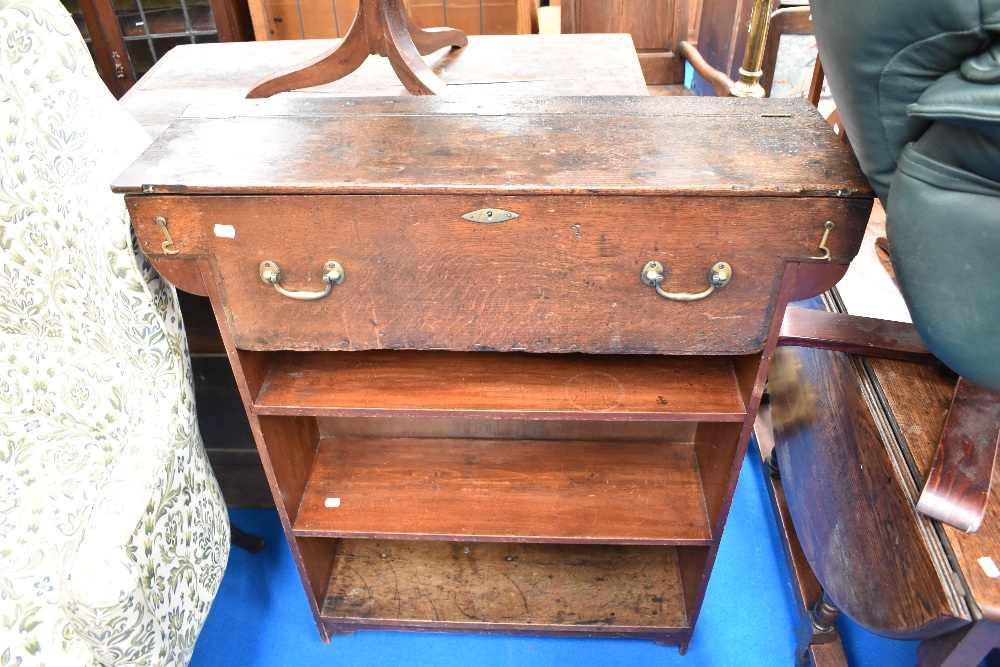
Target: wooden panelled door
[
  {"x": 656, "y": 26},
  {"x": 126, "y": 37}
]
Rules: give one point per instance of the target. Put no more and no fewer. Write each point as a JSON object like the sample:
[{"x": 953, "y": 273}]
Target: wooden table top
[
  {"x": 491, "y": 65},
  {"x": 919, "y": 395}
]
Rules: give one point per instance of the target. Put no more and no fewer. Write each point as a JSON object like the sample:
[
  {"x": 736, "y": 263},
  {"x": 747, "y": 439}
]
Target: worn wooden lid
[{"x": 553, "y": 145}]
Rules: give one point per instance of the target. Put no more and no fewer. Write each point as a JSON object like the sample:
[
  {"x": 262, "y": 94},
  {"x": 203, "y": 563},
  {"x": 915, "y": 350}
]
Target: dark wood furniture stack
[
  {"x": 496, "y": 369},
  {"x": 854, "y": 438}
]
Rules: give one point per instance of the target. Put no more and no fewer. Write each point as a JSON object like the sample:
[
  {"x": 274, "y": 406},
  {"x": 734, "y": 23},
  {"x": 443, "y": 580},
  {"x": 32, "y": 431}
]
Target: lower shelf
[
  {"x": 582, "y": 590},
  {"x": 546, "y": 491}
]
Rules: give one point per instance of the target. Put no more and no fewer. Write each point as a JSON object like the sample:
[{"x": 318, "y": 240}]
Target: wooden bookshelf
[{"x": 502, "y": 427}]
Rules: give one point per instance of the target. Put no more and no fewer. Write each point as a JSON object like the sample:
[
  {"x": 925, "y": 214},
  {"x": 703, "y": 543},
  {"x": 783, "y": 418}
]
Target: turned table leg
[{"x": 381, "y": 27}]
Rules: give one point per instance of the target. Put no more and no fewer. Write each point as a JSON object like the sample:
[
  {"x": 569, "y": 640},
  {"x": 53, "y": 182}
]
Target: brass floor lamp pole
[{"x": 750, "y": 73}]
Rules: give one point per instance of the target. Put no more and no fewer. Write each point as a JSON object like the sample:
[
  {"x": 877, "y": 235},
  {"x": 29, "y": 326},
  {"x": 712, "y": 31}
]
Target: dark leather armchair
[{"x": 917, "y": 83}]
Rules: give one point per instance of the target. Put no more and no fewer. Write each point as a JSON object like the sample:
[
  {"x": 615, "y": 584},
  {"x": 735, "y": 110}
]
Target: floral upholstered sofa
[{"x": 113, "y": 533}]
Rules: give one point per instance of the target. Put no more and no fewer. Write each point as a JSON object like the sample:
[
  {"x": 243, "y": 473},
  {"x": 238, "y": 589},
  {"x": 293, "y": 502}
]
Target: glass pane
[
  {"x": 200, "y": 13},
  {"x": 163, "y": 44},
  {"x": 130, "y": 20},
  {"x": 165, "y": 20},
  {"x": 139, "y": 55},
  {"x": 150, "y": 28},
  {"x": 163, "y": 17}
]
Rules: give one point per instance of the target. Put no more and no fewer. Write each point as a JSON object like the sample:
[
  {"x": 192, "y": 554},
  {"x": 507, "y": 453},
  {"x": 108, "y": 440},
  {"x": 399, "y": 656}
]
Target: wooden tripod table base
[{"x": 381, "y": 27}]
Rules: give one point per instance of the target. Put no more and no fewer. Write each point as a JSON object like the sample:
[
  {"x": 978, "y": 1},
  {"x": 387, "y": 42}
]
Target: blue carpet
[{"x": 261, "y": 617}]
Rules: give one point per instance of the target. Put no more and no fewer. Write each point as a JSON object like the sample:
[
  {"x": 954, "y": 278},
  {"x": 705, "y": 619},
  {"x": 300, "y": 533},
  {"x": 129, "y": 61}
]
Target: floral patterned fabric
[{"x": 113, "y": 533}]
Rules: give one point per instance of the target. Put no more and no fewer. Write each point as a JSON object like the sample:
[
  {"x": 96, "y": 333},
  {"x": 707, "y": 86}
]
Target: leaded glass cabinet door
[{"x": 127, "y": 37}]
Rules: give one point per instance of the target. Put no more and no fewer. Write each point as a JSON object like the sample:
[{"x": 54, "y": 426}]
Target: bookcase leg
[{"x": 822, "y": 628}]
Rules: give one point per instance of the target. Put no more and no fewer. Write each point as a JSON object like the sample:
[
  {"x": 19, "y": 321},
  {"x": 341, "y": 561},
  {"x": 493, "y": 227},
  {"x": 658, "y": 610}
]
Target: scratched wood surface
[
  {"x": 490, "y": 66},
  {"x": 607, "y": 145},
  {"x": 536, "y": 490},
  {"x": 186, "y": 74},
  {"x": 520, "y": 588},
  {"x": 495, "y": 385}
]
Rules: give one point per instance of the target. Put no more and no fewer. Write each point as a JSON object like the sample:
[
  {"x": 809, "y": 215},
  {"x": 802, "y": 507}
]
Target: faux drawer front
[{"x": 562, "y": 276}]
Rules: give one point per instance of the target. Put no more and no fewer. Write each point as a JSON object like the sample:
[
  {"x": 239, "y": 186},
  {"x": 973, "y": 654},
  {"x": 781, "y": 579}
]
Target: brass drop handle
[
  {"x": 333, "y": 274},
  {"x": 718, "y": 276}
]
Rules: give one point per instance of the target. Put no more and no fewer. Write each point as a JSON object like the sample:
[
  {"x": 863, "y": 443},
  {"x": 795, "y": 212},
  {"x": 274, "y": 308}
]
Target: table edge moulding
[{"x": 501, "y": 357}]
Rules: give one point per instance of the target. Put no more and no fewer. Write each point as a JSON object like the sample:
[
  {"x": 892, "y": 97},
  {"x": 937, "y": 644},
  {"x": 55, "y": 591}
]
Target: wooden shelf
[
  {"x": 514, "y": 588},
  {"x": 491, "y": 490},
  {"x": 501, "y": 386}
]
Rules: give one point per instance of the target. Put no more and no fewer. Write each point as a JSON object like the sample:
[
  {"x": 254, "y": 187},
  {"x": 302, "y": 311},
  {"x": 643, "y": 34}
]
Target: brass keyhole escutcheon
[{"x": 489, "y": 216}]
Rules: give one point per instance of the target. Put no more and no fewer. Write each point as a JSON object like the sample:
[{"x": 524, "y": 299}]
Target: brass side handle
[
  {"x": 270, "y": 273},
  {"x": 718, "y": 276}
]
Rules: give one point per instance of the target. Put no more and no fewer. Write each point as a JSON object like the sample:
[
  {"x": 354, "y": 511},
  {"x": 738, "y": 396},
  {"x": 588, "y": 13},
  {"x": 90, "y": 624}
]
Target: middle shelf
[
  {"x": 505, "y": 490},
  {"x": 501, "y": 386}
]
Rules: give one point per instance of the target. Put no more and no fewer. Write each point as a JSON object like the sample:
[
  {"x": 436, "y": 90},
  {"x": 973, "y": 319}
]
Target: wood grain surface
[
  {"x": 656, "y": 26},
  {"x": 532, "y": 65},
  {"x": 805, "y": 587},
  {"x": 804, "y": 327},
  {"x": 505, "y": 490},
  {"x": 853, "y": 511},
  {"x": 601, "y": 186},
  {"x": 494, "y": 385},
  {"x": 382, "y": 28},
  {"x": 513, "y": 429},
  {"x": 610, "y": 145},
  {"x": 918, "y": 396},
  {"x": 517, "y": 588},
  {"x": 957, "y": 486},
  {"x": 418, "y": 276}
]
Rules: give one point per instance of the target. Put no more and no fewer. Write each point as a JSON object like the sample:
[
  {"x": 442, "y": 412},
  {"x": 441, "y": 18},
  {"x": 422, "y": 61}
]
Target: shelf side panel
[
  {"x": 716, "y": 446},
  {"x": 291, "y": 447}
]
